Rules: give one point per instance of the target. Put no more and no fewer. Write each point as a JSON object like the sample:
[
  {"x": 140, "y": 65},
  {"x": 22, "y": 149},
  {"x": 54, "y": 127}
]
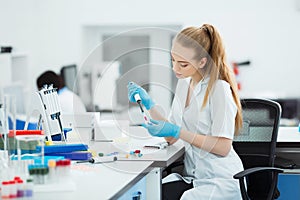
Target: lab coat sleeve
[{"x": 223, "y": 110}]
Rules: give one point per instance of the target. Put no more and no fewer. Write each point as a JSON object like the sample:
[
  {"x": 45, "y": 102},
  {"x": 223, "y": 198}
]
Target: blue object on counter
[
  {"x": 57, "y": 137},
  {"x": 38, "y": 159},
  {"x": 78, "y": 155},
  {"x": 20, "y": 124},
  {"x": 62, "y": 148}
]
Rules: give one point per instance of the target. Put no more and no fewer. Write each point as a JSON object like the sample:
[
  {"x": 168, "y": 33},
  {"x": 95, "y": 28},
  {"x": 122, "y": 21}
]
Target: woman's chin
[{"x": 179, "y": 76}]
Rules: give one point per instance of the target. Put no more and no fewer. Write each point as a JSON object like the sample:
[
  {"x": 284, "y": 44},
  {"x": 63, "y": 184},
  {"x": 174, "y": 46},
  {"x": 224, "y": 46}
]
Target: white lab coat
[
  {"x": 212, "y": 174},
  {"x": 70, "y": 102}
]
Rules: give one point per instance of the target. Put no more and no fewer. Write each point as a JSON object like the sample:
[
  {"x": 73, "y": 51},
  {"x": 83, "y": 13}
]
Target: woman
[{"x": 205, "y": 114}]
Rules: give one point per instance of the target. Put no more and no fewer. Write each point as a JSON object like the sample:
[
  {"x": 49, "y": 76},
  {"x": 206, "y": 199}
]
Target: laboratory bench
[
  {"x": 106, "y": 181},
  {"x": 134, "y": 177},
  {"x": 130, "y": 177},
  {"x": 149, "y": 167}
]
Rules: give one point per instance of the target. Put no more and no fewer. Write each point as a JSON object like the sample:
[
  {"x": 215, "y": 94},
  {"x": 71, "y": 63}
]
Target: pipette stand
[{"x": 45, "y": 103}]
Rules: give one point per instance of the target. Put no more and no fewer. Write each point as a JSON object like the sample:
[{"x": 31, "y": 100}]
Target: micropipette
[{"x": 138, "y": 100}]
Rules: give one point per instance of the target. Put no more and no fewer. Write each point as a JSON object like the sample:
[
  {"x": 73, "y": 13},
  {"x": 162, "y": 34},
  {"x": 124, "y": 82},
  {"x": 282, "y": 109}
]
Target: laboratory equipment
[
  {"x": 160, "y": 145},
  {"x": 46, "y": 103},
  {"x": 3, "y": 127},
  {"x": 20, "y": 187},
  {"x": 52, "y": 171},
  {"x": 63, "y": 169},
  {"x": 28, "y": 189},
  {"x": 139, "y": 102},
  {"x": 5, "y": 189},
  {"x": 39, "y": 173},
  {"x": 4, "y": 121}
]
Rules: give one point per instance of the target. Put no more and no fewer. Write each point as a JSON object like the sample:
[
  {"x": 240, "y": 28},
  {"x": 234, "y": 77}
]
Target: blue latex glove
[
  {"x": 162, "y": 129},
  {"x": 133, "y": 89}
]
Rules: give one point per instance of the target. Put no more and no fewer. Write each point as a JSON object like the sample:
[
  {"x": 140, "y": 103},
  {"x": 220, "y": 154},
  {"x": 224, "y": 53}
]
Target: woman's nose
[{"x": 175, "y": 67}]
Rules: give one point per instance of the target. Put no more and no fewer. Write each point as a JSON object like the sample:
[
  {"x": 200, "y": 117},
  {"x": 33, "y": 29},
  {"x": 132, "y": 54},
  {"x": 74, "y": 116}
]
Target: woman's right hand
[{"x": 133, "y": 89}]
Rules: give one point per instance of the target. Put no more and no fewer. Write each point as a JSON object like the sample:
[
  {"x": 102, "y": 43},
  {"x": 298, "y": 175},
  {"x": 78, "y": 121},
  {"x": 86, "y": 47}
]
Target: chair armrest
[
  {"x": 249, "y": 171},
  {"x": 256, "y": 169}
]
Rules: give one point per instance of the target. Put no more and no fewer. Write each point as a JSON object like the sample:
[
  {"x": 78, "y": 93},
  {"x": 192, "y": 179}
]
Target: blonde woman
[{"x": 205, "y": 114}]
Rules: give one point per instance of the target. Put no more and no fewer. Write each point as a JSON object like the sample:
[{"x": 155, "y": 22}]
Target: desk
[
  {"x": 113, "y": 180},
  {"x": 101, "y": 181},
  {"x": 288, "y": 134},
  {"x": 160, "y": 158},
  {"x": 288, "y": 143}
]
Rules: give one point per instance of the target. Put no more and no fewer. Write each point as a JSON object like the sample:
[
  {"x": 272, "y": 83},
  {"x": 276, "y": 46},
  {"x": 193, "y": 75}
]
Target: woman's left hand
[{"x": 162, "y": 129}]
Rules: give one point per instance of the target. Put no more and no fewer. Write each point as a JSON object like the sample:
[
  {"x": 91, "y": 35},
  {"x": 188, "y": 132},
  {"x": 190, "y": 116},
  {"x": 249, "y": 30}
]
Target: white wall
[{"x": 266, "y": 32}]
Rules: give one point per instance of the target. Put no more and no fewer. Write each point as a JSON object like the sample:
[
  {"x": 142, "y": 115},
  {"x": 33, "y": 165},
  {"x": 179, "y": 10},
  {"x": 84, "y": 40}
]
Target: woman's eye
[{"x": 183, "y": 65}]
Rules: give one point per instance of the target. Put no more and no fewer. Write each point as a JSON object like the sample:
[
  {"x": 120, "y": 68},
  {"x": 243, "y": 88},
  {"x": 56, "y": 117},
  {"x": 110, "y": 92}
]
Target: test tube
[
  {"x": 20, "y": 187},
  {"x": 5, "y": 190},
  {"x": 52, "y": 173},
  {"x": 63, "y": 169},
  {"x": 33, "y": 175},
  {"x": 43, "y": 173},
  {"x": 28, "y": 189},
  {"x": 12, "y": 189}
]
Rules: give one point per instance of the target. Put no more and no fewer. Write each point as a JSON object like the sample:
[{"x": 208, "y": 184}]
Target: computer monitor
[
  {"x": 290, "y": 108},
  {"x": 69, "y": 75}
]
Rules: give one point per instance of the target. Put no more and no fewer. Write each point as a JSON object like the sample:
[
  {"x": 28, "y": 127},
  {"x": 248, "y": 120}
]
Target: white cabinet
[
  {"x": 5, "y": 75},
  {"x": 19, "y": 68},
  {"x": 13, "y": 78},
  {"x": 14, "y": 68}
]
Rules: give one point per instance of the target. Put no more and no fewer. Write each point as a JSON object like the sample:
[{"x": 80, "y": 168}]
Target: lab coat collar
[
  {"x": 198, "y": 87},
  {"x": 184, "y": 90}
]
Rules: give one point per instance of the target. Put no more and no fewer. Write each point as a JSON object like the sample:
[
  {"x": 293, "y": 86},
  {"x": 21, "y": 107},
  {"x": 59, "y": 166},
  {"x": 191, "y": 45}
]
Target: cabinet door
[
  {"x": 288, "y": 186},
  {"x": 5, "y": 64},
  {"x": 136, "y": 192}
]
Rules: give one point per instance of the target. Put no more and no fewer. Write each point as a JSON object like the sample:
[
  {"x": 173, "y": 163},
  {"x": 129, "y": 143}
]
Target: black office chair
[{"x": 256, "y": 147}]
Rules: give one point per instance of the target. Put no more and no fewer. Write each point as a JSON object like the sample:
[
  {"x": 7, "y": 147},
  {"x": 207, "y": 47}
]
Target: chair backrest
[{"x": 256, "y": 142}]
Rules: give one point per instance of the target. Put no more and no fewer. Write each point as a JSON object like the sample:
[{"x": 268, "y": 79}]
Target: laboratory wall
[{"x": 263, "y": 32}]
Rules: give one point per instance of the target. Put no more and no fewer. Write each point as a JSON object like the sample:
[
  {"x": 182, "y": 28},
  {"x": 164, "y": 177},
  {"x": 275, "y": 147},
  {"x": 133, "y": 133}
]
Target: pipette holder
[{"x": 45, "y": 103}]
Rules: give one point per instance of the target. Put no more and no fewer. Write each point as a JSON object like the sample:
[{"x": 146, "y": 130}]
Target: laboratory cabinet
[
  {"x": 14, "y": 68},
  {"x": 149, "y": 187},
  {"x": 289, "y": 186},
  {"x": 136, "y": 192},
  {"x": 14, "y": 79}
]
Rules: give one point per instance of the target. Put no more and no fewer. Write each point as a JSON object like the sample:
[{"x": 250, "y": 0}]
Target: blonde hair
[{"x": 207, "y": 42}]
